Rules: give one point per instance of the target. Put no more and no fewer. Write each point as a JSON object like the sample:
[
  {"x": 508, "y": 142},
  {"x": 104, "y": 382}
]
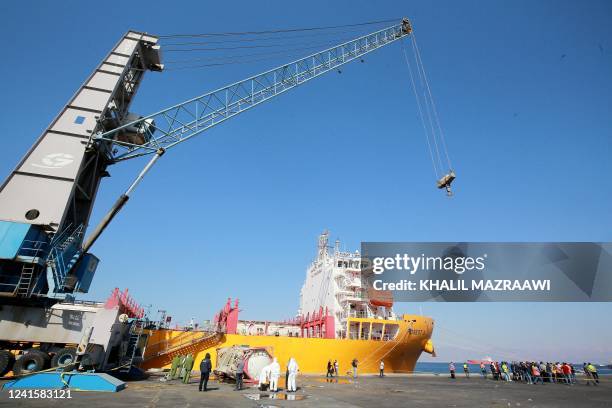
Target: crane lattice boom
[
  {"x": 45, "y": 204},
  {"x": 176, "y": 124}
]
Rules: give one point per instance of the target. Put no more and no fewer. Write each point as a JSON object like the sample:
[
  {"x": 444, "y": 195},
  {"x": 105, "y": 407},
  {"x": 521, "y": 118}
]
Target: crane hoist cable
[
  {"x": 430, "y": 120},
  {"x": 237, "y": 56},
  {"x": 228, "y": 62},
  {"x": 212, "y": 50},
  {"x": 262, "y": 39},
  {"x": 237, "y": 59},
  {"x": 428, "y": 114},
  {"x": 241, "y": 47},
  {"x": 290, "y": 30},
  {"x": 431, "y": 99},
  {"x": 447, "y": 178},
  {"x": 418, "y": 101}
]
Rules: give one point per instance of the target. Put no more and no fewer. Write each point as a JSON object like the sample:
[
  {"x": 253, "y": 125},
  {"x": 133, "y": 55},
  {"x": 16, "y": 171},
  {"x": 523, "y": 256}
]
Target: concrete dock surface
[{"x": 366, "y": 391}]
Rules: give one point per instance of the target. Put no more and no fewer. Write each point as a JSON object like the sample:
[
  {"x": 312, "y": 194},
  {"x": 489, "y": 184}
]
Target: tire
[
  {"x": 43, "y": 354},
  {"x": 7, "y": 360},
  {"x": 31, "y": 362},
  {"x": 63, "y": 357}
]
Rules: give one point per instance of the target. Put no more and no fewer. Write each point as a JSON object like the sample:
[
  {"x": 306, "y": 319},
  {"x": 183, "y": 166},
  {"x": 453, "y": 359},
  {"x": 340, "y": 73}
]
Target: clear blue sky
[{"x": 524, "y": 92}]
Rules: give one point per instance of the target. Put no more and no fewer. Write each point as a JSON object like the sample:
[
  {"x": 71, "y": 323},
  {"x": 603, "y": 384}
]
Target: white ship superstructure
[{"x": 333, "y": 281}]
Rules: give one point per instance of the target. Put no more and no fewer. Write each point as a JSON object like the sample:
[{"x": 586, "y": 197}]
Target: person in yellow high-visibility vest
[
  {"x": 593, "y": 372},
  {"x": 466, "y": 370}
]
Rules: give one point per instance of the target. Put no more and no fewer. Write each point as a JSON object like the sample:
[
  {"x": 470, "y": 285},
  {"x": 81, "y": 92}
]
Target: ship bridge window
[
  {"x": 377, "y": 331},
  {"x": 391, "y": 331},
  {"x": 365, "y": 332}
]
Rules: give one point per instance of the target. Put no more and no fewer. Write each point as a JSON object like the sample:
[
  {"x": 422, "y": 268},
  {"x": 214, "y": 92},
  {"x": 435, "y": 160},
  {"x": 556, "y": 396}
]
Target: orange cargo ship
[{"x": 338, "y": 320}]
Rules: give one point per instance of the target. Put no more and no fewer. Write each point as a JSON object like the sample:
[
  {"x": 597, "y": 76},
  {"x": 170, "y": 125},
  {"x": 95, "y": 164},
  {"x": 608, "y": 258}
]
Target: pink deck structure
[
  {"x": 227, "y": 319},
  {"x": 125, "y": 303}
]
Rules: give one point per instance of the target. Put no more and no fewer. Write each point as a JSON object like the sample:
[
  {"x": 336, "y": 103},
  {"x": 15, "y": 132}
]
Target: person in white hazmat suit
[
  {"x": 264, "y": 377},
  {"x": 274, "y": 374},
  {"x": 293, "y": 369}
]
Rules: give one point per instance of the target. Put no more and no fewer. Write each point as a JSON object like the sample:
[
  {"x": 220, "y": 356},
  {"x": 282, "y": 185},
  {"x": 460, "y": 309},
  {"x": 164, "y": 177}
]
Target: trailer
[{"x": 94, "y": 336}]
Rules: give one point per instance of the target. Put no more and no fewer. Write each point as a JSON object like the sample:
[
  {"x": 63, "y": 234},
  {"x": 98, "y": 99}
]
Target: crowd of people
[
  {"x": 531, "y": 372},
  {"x": 528, "y": 372}
]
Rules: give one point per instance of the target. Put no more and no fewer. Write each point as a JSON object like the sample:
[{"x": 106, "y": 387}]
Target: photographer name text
[{"x": 459, "y": 285}]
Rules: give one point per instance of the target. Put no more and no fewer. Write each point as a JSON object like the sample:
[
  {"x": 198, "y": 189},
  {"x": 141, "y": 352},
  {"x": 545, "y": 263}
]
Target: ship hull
[{"x": 312, "y": 354}]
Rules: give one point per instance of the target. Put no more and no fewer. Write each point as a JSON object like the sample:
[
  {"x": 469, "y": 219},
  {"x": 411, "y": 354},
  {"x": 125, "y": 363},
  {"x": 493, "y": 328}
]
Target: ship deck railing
[{"x": 367, "y": 315}]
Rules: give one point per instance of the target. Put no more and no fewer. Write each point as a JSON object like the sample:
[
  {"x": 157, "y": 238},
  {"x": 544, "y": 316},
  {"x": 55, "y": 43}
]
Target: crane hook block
[{"x": 446, "y": 181}]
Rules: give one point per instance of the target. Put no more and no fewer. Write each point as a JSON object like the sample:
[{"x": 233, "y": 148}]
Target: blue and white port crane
[{"x": 46, "y": 202}]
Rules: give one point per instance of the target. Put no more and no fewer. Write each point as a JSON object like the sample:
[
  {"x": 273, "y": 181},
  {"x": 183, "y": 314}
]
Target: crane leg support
[
  {"x": 105, "y": 221},
  {"x": 120, "y": 203}
]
